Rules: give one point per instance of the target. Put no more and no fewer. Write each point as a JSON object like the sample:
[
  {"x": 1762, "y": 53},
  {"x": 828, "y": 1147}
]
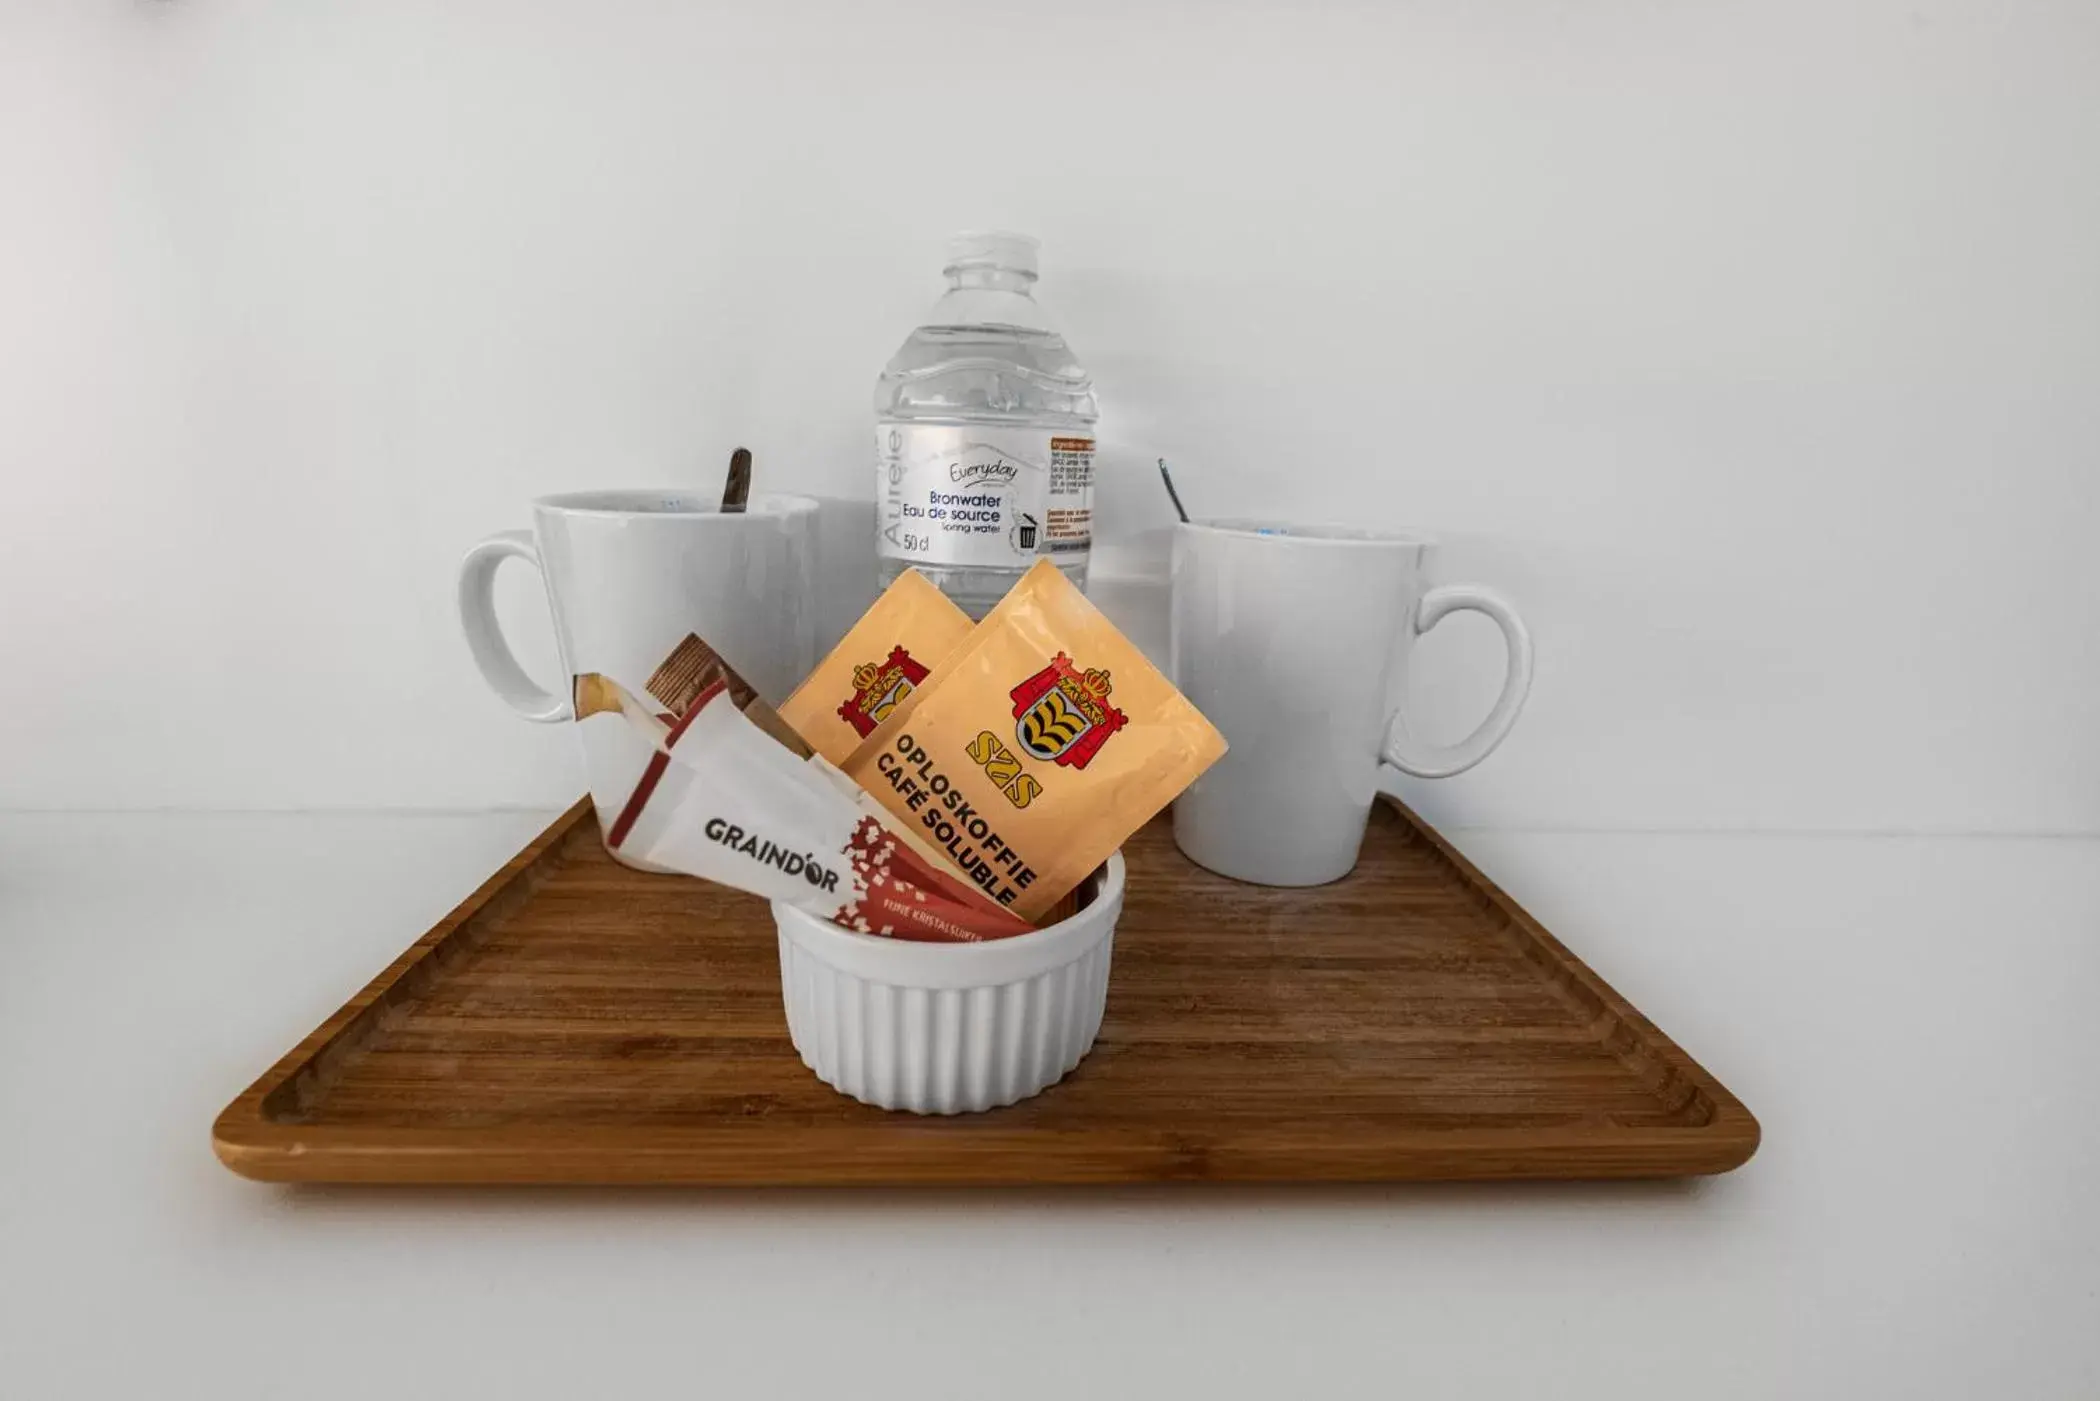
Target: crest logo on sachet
[
  {"x": 1062, "y": 714},
  {"x": 878, "y": 688}
]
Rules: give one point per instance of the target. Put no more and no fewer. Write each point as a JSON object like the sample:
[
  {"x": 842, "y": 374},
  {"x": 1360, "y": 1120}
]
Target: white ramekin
[{"x": 947, "y": 1028}]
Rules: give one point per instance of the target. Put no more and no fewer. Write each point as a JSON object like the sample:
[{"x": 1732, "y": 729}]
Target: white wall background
[{"x": 1754, "y": 345}]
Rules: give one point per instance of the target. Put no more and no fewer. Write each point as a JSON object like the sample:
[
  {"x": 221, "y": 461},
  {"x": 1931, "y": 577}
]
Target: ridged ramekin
[{"x": 947, "y": 1028}]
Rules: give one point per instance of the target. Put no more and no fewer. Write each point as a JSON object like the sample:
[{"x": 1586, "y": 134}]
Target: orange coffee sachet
[
  {"x": 1037, "y": 747},
  {"x": 887, "y": 654}
]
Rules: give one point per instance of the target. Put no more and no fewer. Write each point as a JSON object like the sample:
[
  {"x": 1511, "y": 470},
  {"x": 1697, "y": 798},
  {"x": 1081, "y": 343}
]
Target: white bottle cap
[{"x": 1011, "y": 252}]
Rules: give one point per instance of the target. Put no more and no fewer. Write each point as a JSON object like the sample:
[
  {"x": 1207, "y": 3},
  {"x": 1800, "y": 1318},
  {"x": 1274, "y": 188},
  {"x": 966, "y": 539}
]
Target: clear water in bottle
[{"x": 984, "y": 434}]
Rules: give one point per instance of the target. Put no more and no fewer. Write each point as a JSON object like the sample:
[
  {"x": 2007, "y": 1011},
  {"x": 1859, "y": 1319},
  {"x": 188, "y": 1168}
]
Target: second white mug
[{"x": 1288, "y": 638}]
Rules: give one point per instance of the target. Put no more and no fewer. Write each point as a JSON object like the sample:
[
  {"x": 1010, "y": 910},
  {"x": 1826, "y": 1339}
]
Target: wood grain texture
[{"x": 575, "y": 1021}]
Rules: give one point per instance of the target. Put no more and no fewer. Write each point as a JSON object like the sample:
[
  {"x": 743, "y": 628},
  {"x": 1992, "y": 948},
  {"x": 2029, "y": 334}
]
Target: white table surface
[{"x": 1912, "y": 1019}]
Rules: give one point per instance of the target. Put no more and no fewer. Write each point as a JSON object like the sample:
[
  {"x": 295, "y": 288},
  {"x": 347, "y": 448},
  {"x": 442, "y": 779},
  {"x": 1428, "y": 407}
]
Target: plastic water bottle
[{"x": 984, "y": 434}]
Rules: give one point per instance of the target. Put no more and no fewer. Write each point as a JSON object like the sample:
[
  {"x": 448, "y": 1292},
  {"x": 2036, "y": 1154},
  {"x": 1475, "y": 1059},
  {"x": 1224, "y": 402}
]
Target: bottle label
[{"x": 997, "y": 497}]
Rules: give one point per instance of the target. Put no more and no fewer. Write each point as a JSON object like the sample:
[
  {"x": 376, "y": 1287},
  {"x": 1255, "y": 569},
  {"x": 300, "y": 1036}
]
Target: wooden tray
[{"x": 576, "y": 1021}]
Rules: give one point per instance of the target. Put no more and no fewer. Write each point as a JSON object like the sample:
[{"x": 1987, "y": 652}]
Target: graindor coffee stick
[
  {"x": 730, "y": 804},
  {"x": 1036, "y": 747},
  {"x": 694, "y": 666},
  {"x": 881, "y": 660}
]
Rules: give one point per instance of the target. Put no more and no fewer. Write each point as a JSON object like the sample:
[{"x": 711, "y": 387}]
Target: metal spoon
[{"x": 1173, "y": 495}]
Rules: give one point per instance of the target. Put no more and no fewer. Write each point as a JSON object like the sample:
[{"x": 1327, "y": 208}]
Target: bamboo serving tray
[{"x": 575, "y": 1021}]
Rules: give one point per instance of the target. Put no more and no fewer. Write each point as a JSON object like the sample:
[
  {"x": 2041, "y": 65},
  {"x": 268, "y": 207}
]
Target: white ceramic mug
[
  {"x": 629, "y": 574},
  {"x": 1288, "y": 638}
]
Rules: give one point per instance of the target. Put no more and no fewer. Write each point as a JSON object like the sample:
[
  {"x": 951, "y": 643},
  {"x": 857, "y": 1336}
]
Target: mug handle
[
  {"x": 1429, "y": 761},
  {"x": 477, "y": 617}
]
